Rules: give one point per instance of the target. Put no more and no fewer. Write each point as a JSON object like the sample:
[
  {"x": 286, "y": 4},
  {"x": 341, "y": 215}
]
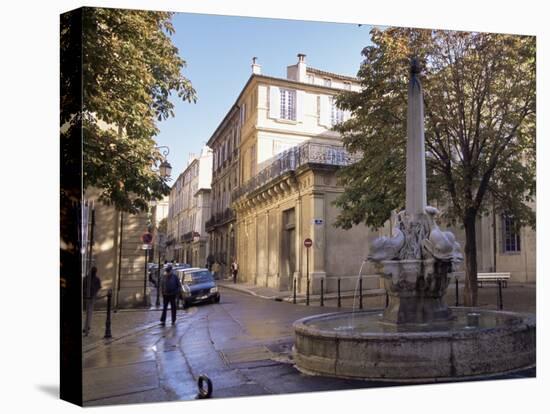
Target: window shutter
[
  {"x": 324, "y": 111},
  {"x": 300, "y": 101},
  {"x": 274, "y": 102}
]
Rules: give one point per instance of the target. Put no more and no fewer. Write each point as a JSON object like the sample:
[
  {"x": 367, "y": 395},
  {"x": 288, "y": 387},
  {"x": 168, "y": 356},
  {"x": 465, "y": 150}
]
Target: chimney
[
  {"x": 297, "y": 72},
  {"x": 302, "y": 76},
  {"x": 256, "y": 69}
]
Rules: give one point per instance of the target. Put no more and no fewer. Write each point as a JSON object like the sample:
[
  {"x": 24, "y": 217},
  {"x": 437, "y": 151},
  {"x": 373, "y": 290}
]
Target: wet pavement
[{"x": 243, "y": 344}]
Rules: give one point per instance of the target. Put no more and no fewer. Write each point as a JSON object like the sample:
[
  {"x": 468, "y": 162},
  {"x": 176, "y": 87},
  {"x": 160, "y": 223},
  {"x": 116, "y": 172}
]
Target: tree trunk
[{"x": 470, "y": 265}]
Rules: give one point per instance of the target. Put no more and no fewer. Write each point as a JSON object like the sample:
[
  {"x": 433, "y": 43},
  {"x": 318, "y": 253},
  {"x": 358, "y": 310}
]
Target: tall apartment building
[
  {"x": 225, "y": 177},
  {"x": 188, "y": 210},
  {"x": 282, "y": 185}
]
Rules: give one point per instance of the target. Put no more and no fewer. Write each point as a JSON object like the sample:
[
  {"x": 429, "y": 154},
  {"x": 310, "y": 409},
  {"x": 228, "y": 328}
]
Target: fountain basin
[{"x": 363, "y": 346}]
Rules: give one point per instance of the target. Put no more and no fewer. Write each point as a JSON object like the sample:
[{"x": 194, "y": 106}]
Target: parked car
[{"x": 198, "y": 285}]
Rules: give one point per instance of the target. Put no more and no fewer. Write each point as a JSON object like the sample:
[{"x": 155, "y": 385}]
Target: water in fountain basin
[{"x": 370, "y": 322}]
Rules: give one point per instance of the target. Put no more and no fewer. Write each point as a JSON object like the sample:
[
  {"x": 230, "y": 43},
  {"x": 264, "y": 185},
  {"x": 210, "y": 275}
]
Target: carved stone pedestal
[{"x": 416, "y": 290}]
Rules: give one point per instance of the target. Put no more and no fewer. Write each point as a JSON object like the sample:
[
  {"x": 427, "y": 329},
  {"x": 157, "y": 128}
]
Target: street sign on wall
[{"x": 308, "y": 243}]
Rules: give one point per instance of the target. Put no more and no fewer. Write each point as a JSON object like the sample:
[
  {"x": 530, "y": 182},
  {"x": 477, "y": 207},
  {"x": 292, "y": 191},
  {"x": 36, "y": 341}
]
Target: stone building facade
[
  {"x": 504, "y": 248},
  {"x": 189, "y": 208},
  {"x": 225, "y": 177},
  {"x": 117, "y": 253},
  {"x": 289, "y": 156}
]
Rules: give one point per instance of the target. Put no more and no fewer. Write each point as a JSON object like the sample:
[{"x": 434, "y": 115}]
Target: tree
[
  {"x": 163, "y": 226},
  {"x": 479, "y": 95},
  {"x": 129, "y": 69}
]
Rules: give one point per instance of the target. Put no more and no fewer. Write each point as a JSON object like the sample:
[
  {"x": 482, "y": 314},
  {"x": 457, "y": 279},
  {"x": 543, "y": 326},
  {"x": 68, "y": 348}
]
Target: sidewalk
[
  {"x": 259, "y": 291},
  {"x": 518, "y": 297},
  {"x": 124, "y": 322},
  {"x": 286, "y": 296}
]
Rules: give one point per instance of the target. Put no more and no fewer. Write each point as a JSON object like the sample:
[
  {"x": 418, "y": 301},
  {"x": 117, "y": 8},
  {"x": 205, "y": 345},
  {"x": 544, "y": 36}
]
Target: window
[
  {"x": 252, "y": 161},
  {"x": 288, "y": 104},
  {"x": 310, "y": 79},
  {"x": 347, "y": 86},
  {"x": 243, "y": 113},
  {"x": 510, "y": 234},
  {"x": 327, "y": 82},
  {"x": 336, "y": 114},
  {"x": 289, "y": 219}
]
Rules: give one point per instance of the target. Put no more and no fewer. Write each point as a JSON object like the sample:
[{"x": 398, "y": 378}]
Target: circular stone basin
[{"x": 475, "y": 343}]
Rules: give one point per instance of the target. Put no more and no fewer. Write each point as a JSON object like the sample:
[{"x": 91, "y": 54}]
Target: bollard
[
  {"x": 108, "y": 320},
  {"x": 500, "y": 305},
  {"x": 387, "y": 299},
  {"x": 360, "y": 293},
  {"x": 322, "y": 293},
  {"x": 456, "y": 291},
  {"x": 157, "y": 302},
  {"x": 307, "y": 291},
  {"x": 294, "y": 292},
  {"x": 339, "y": 298},
  {"x": 204, "y": 393}
]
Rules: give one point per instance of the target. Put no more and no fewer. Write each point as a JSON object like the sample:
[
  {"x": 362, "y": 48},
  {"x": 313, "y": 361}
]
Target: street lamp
[{"x": 165, "y": 169}]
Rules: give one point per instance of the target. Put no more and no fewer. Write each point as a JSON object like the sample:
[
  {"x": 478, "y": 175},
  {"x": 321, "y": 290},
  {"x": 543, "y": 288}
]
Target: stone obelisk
[
  {"x": 416, "y": 165},
  {"x": 416, "y": 261}
]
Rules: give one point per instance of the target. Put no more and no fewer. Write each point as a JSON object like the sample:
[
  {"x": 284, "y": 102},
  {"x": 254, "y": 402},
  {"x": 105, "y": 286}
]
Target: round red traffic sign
[
  {"x": 308, "y": 243},
  {"x": 147, "y": 238}
]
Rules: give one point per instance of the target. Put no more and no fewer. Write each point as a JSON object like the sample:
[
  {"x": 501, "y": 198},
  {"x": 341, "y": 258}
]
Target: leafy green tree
[
  {"x": 129, "y": 70},
  {"x": 163, "y": 226},
  {"x": 479, "y": 95}
]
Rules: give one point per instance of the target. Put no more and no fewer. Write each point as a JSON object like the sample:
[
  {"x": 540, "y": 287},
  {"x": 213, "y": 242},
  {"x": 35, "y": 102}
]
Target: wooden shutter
[
  {"x": 324, "y": 111},
  {"x": 274, "y": 102},
  {"x": 300, "y": 102}
]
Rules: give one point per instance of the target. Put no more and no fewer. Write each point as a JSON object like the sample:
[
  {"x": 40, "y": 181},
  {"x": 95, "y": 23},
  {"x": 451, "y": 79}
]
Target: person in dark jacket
[
  {"x": 171, "y": 289},
  {"x": 209, "y": 261},
  {"x": 95, "y": 287},
  {"x": 234, "y": 269}
]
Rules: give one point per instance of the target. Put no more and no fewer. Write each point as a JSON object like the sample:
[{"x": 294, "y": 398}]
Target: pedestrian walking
[
  {"x": 151, "y": 277},
  {"x": 95, "y": 287},
  {"x": 209, "y": 261},
  {"x": 216, "y": 268},
  {"x": 171, "y": 290},
  {"x": 234, "y": 269}
]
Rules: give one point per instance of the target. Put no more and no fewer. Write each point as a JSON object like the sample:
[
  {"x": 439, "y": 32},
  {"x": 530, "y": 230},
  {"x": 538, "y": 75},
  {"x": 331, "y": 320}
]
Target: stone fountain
[{"x": 417, "y": 337}]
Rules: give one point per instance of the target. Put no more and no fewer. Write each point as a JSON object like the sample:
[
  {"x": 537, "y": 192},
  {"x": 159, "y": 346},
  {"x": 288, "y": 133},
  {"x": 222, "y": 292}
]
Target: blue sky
[{"x": 219, "y": 50}]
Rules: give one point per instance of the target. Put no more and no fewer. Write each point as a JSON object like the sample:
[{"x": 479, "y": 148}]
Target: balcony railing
[
  {"x": 293, "y": 158},
  {"x": 219, "y": 219}
]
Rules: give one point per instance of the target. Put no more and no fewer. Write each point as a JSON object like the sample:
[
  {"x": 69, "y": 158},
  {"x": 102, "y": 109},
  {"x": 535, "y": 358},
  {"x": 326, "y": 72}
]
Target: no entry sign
[
  {"x": 147, "y": 238},
  {"x": 308, "y": 243}
]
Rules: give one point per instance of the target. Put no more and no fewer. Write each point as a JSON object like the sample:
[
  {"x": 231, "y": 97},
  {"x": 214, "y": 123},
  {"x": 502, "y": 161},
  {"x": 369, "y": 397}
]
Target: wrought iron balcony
[
  {"x": 210, "y": 224},
  {"x": 219, "y": 219},
  {"x": 307, "y": 153}
]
